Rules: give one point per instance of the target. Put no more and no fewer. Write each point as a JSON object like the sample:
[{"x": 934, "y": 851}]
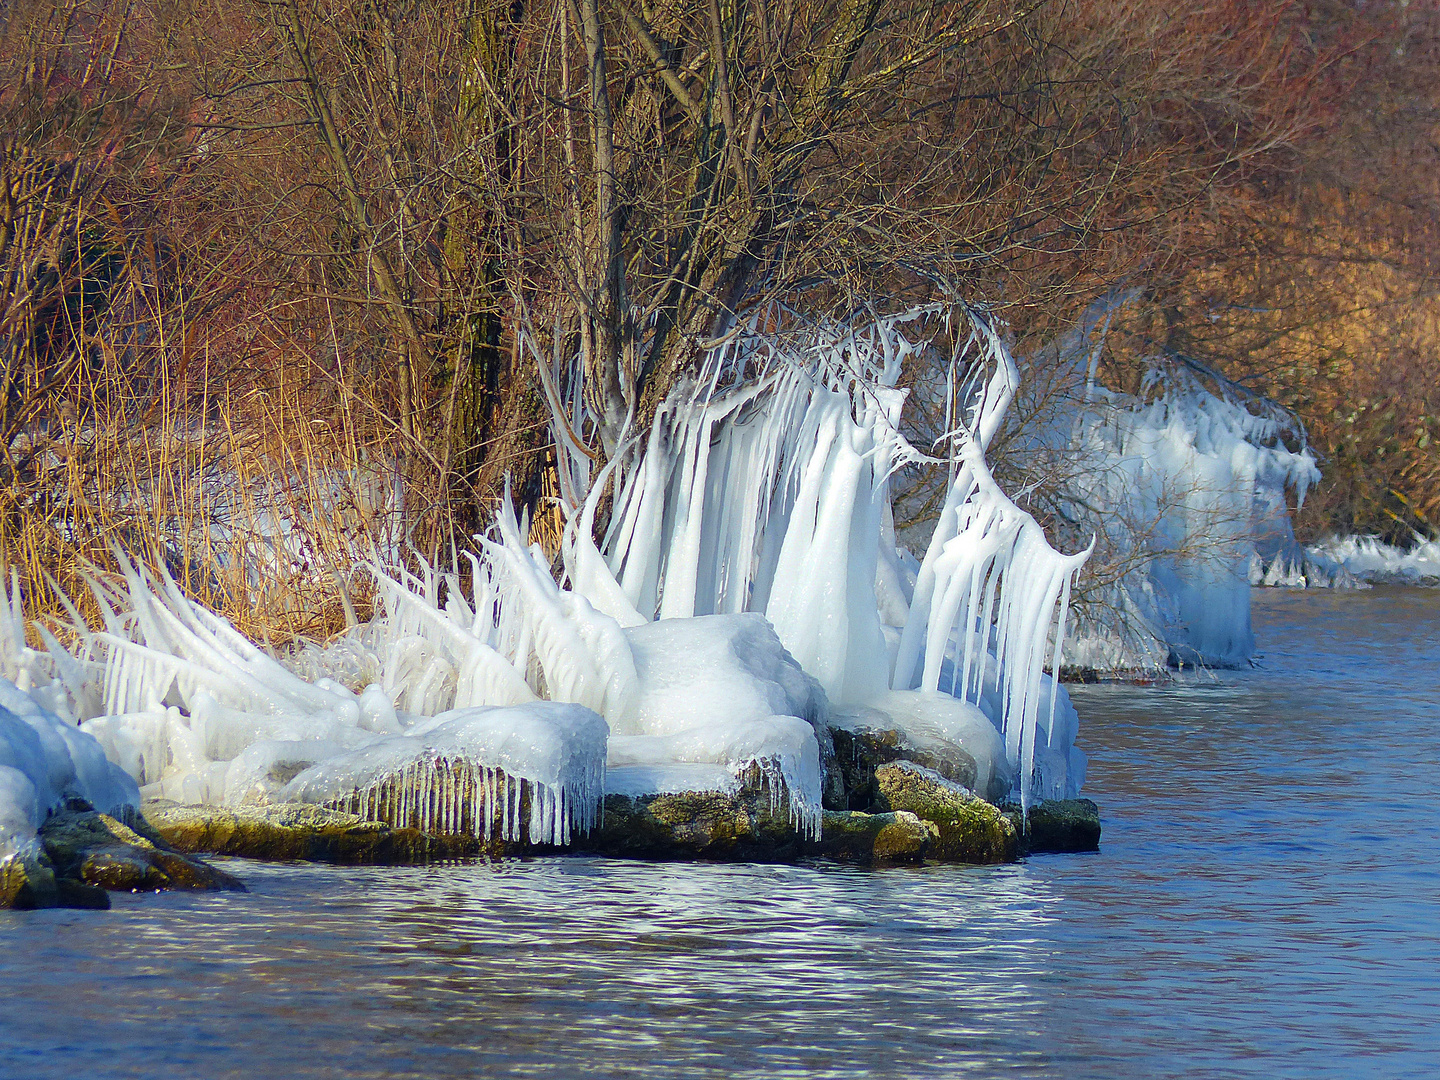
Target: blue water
[{"x": 1266, "y": 904}]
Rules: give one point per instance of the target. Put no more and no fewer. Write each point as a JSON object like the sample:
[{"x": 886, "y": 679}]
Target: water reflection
[
  {"x": 1265, "y": 906},
  {"x": 550, "y": 967}
]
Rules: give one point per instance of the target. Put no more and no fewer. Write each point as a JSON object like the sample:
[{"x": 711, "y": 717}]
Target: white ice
[
  {"x": 748, "y": 577},
  {"x": 1367, "y": 559},
  {"x": 45, "y": 761},
  {"x": 460, "y": 772},
  {"x": 1189, "y": 480}
]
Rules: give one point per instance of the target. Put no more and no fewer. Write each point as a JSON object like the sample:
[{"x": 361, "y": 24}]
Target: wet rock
[
  {"x": 1061, "y": 826},
  {"x": 855, "y": 836},
  {"x": 80, "y": 853},
  {"x": 970, "y": 830},
  {"x": 98, "y": 850},
  {"x": 28, "y": 882},
  {"x": 689, "y": 825},
  {"x": 693, "y": 825},
  {"x": 303, "y": 831},
  {"x": 905, "y": 839},
  {"x": 922, "y": 815},
  {"x": 861, "y": 748},
  {"x": 77, "y": 894}
]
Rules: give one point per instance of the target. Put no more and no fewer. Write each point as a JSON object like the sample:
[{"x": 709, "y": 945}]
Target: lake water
[{"x": 1266, "y": 904}]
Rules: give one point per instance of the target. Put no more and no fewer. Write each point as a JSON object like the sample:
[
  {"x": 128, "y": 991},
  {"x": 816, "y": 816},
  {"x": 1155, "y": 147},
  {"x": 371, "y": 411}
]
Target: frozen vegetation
[
  {"x": 747, "y": 596},
  {"x": 1185, "y": 483},
  {"x": 1201, "y": 480},
  {"x": 747, "y": 593},
  {"x": 1360, "y": 560}
]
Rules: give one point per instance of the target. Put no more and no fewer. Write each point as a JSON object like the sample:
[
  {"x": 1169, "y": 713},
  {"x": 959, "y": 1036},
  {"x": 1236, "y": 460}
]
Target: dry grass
[
  {"x": 142, "y": 417},
  {"x": 261, "y": 514}
]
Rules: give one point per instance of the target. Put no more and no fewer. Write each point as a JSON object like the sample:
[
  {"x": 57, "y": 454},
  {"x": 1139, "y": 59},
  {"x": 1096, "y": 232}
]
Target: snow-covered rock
[{"x": 462, "y": 771}]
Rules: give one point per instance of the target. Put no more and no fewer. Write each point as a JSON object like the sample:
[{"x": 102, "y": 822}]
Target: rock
[
  {"x": 922, "y": 815},
  {"x": 303, "y": 831},
  {"x": 77, "y": 894},
  {"x": 970, "y": 829},
  {"x": 28, "y": 881},
  {"x": 905, "y": 839},
  {"x": 855, "y": 836},
  {"x": 704, "y": 824},
  {"x": 860, "y": 751},
  {"x": 691, "y": 825},
  {"x": 96, "y": 849},
  {"x": 1061, "y": 826},
  {"x": 862, "y": 747}
]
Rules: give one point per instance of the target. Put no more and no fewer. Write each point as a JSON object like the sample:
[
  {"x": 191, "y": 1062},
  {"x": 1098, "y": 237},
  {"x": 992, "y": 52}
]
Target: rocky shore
[
  {"x": 893, "y": 811},
  {"x": 83, "y": 855},
  {"x": 918, "y": 816}
]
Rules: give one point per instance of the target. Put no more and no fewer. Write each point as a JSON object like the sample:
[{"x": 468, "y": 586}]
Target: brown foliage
[
  {"x": 314, "y": 264},
  {"x": 1319, "y": 288}
]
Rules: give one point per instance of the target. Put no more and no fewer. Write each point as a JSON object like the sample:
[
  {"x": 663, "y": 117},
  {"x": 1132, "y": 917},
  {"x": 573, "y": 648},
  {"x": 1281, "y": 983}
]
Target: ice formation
[
  {"x": 722, "y": 690},
  {"x": 764, "y": 486},
  {"x": 748, "y": 578},
  {"x": 1356, "y": 561},
  {"x": 191, "y": 710},
  {"x": 43, "y": 760},
  {"x": 461, "y": 772},
  {"x": 1193, "y": 473}
]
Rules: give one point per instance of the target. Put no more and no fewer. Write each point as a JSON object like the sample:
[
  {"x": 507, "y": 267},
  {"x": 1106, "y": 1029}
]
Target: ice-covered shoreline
[
  {"x": 1349, "y": 562},
  {"x": 744, "y": 650},
  {"x": 748, "y": 590}
]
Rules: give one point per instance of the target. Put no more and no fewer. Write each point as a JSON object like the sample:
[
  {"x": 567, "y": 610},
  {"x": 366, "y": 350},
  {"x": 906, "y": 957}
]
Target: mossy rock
[
  {"x": 970, "y": 830},
  {"x": 693, "y": 825},
  {"x": 304, "y": 831},
  {"x": 1061, "y": 826},
  {"x": 905, "y": 839},
  {"x": 855, "y": 836},
  {"x": 28, "y": 882},
  {"x": 99, "y": 850},
  {"x": 859, "y": 752}
]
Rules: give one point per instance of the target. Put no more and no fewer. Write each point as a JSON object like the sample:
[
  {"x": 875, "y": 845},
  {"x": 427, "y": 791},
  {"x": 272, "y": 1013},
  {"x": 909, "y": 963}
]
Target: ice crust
[
  {"x": 749, "y": 577},
  {"x": 460, "y": 772},
  {"x": 43, "y": 762},
  {"x": 1198, "y": 475},
  {"x": 1345, "y": 561},
  {"x": 670, "y": 778},
  {"x": 722, "y": 690}
]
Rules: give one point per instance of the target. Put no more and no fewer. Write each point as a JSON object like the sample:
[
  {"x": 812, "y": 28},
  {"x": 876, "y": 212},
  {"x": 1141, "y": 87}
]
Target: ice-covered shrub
[
  {"x": 1184, "y": 485},
  {"x": 748, "y": 577}
]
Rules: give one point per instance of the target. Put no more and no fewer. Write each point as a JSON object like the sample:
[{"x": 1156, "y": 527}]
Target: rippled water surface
[{"x": 1265, "y": 905}]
